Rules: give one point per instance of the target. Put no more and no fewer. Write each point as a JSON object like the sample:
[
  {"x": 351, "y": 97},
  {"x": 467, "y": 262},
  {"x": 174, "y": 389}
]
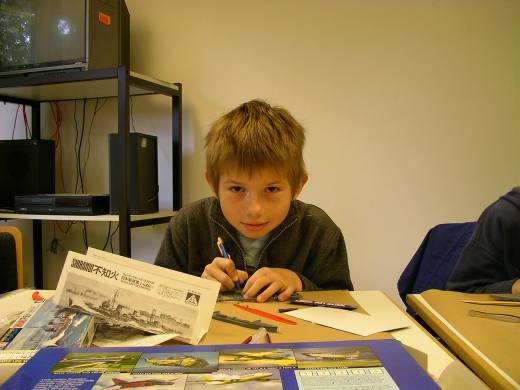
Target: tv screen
[{"x": 42, "y": 34}]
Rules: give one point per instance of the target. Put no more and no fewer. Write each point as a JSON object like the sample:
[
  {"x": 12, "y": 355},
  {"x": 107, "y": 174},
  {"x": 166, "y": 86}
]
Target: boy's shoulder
[
  {"x": 509, "y": 202},
  {"x": 505, "y": 208},
  {"x": 313, "y": 222},
  {"x": 303, "y": 209},
  {"x": 200, "y": 204},
  {"x": 198, "y": 208}
]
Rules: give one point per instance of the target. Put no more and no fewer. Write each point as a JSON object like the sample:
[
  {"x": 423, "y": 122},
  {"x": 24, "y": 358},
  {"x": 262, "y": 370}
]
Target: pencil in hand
[{"x": 225, "y": 255}]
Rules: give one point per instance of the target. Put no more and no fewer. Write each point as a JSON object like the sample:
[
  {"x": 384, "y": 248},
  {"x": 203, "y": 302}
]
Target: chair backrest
[
  {"x": 432, "y": 264},
  {"x": 11, "y": 258}
]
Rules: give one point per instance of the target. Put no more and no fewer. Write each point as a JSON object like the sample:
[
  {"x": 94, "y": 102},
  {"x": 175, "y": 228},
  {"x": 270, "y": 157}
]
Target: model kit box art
[{"x": 374, "y": 364}]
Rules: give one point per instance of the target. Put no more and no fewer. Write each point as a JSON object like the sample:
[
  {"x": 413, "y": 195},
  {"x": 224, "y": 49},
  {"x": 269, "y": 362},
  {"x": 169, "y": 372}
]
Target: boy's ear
[
  {"x": 302, "y": 183},
  {"x": 213, "y": 189}
]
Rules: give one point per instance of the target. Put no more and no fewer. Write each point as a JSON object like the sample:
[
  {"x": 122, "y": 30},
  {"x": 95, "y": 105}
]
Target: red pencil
[{"x": 265, "y": 314}]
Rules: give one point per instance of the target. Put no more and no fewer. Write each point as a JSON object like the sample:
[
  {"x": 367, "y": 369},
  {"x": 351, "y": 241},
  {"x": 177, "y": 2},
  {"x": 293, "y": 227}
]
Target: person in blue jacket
[{"x": 490, "y": 262}]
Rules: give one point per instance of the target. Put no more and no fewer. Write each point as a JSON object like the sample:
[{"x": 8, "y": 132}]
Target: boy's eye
[
  {"x": 272, "y": 189},
  {"x": 235, "y": 189}
]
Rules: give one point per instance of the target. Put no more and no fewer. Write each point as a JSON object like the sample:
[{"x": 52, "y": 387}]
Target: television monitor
[{"x": 56, "y": 35}]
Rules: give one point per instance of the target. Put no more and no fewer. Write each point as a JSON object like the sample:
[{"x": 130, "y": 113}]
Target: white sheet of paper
[
  {"x": 137, "y": 341},
  {"x": 348, "y": 321}
]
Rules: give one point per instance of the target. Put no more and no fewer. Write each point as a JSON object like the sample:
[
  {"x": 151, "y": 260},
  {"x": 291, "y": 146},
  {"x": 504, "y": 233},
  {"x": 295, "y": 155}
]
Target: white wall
[{"x": 411, "y": 107}]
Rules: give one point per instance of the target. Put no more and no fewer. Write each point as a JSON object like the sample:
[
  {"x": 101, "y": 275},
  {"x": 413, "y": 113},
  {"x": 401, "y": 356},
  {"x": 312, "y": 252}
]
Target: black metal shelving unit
[{"x": 116, "y": 82}]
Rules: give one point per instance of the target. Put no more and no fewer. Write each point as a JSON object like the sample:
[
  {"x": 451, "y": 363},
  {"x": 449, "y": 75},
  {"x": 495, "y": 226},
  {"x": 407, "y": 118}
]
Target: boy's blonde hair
[{"x": 256, "y": 135}]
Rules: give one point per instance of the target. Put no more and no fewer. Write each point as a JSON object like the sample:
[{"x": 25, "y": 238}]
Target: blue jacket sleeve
[{"x": 490, "y": 261}]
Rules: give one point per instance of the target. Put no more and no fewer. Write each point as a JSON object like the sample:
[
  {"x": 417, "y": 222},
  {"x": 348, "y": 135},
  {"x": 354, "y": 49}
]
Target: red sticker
[
  {"x": 36, "y": 296},
  {"x": 104, "y": 18}
]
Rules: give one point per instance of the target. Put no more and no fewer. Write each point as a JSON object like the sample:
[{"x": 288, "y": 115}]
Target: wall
[{"x": 411, "y": 108}]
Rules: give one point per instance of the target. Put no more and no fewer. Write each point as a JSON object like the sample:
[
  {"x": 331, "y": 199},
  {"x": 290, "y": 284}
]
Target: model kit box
[
  {"x": 374, "y": 364},
  {"x": 49, "y": 326}
]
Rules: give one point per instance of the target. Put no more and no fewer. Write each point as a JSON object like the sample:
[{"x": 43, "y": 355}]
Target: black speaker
[
  {"x": 143, "y": 185},
  {"x": 26, "y": 168}
]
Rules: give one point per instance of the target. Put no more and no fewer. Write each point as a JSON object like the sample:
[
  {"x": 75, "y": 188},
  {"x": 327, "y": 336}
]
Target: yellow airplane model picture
[
  {"x": 92, "y": 363},
  {"x": 224, "y": 379},
  {"x": 333, "y": 356},
  {"x": 179, "y": 361},
  {"x": 267, "y": 355},
  {"x": 122, "y": 384}
]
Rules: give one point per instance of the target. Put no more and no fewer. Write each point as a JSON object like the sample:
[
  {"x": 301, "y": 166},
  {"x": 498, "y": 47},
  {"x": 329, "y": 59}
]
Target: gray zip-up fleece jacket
[
  {"x": 490, "y": 262},
  {"x": 307, "y": 242}
]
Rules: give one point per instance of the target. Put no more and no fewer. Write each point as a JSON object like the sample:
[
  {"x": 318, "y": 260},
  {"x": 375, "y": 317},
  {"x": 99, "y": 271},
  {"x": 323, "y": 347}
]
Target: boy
[
  {"x": 490, "y": 262},
  {"x": 276, "y": 244}
]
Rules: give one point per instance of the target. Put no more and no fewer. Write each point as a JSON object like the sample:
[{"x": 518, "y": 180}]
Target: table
[
  {"x": 489, "y": 347},
  {"x": 225, "y": 333},
  {"x": 442, "y": 366}
]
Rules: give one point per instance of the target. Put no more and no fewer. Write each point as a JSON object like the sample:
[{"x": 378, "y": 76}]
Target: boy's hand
[
  {"x": 224, "y": 271},
  {"x": 516, "y": 287},
  {"x": 271, "y": 281}
]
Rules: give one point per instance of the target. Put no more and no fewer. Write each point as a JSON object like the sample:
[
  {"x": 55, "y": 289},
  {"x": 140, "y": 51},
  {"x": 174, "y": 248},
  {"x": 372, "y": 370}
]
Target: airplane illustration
[
  {"x": 106, "y": 359},
  {"x": 90, "y": 363},
  {"x": 333, "y": 356},
  {"x": 267, "y": 355},
  {"x": 180, "y": 361},
  {"x": 122, "y": 384},
  {"x": 224, "y": 379}
]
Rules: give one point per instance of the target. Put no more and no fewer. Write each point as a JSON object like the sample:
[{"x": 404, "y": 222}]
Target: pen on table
[
  {"x": 286, "y": 309},
  {"x": 305, "y": 302},
  {"x": 224, "y": 254}
]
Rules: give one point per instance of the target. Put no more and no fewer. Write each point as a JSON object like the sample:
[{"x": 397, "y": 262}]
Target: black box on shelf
[
  {"x": 26, "y": 168},
  {"x": 143, "y": 185},
  {"x": 67, "y": 204}
]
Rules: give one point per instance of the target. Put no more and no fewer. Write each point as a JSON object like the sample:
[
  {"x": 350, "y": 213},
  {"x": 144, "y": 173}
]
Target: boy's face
[{"x": 256, "y": 204}]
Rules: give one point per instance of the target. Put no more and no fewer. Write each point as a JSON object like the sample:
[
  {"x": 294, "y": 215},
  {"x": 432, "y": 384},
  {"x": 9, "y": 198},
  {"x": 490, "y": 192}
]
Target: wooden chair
[{"x": 11, "y": 258}]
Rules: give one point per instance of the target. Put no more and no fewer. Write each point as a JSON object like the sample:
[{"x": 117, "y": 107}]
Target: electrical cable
[
  {"x": 80, "y": 173},
  {"x": 15, "y": 118},
  {"x": 58, "y": 119},
  {"x": 97, "y": 108},
  {"x": 112, "y": 236},
  {"x": 108, "y": 235},
  {"x": 76, "y": 144},
  {"x": 79, "y": 185},
  {"x": 28, "y": 132},
  {"x": 85, "y": 233},
  {"x": 132, "y": 113}
]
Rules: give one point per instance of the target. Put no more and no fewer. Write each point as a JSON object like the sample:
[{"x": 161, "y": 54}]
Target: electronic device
[
  {"x": 52, "y": 35},
  {"x": 26, "y": 168},
  {"x": 143, "y": 186},
  {"x": 70, "y": 204}
]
